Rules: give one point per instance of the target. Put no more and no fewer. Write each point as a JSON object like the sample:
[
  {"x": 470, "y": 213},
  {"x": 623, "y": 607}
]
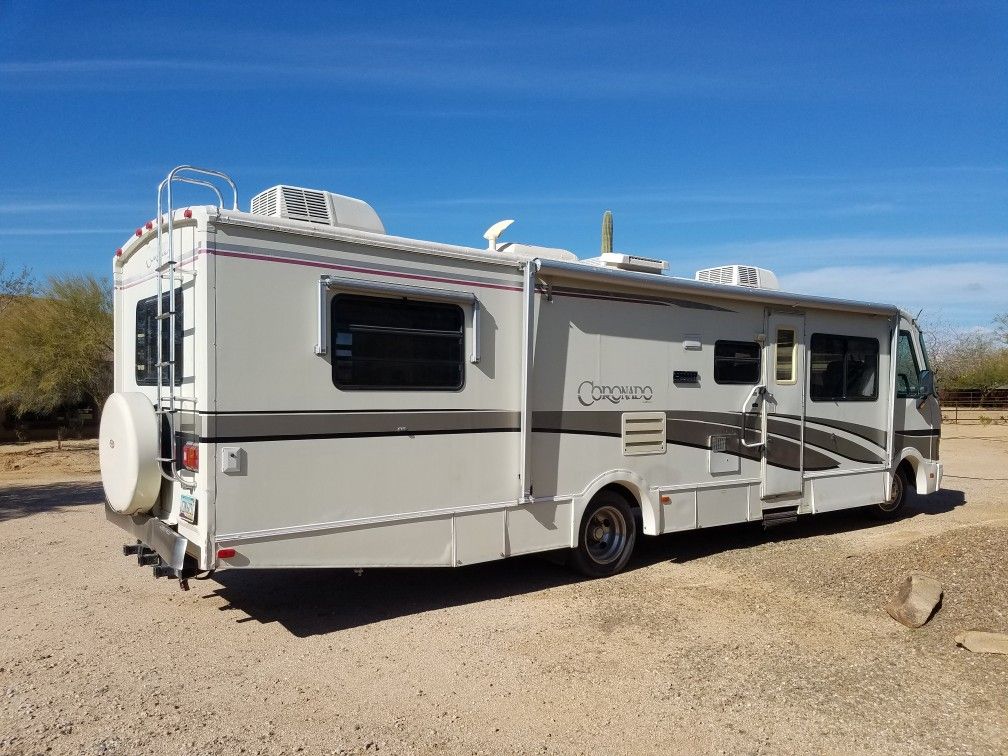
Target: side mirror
[{"x": 927, "y": 386}]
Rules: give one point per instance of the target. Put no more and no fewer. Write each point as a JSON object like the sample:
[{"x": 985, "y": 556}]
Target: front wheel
[
  {"x": 888, "y": 509},
  {"x": 607, "y": 536}
]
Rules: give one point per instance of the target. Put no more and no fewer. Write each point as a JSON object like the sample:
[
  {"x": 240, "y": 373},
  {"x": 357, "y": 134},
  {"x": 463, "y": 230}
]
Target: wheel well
[
  {"x": 909, "y": 472},
  {"x": 623, "y": 491}
]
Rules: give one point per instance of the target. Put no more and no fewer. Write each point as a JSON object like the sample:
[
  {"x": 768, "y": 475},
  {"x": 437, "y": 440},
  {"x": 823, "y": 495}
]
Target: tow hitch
[{"x": 147, "y": 557}]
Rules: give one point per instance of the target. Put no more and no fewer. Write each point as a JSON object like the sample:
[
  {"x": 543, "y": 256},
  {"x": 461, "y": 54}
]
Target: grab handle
[{"x": 752, "y": 400}]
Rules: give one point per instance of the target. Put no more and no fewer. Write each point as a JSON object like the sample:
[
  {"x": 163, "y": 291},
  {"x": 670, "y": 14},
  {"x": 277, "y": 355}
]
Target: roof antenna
[
  {"x": 494, "y": 231},
  {"x": 918, "y": 314}
]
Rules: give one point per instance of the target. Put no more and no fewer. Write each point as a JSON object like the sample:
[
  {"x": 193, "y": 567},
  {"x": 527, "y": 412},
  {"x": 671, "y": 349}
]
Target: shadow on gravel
[
  {"x": 317, "y": 602},
  {"x": 23, "y": 501}
]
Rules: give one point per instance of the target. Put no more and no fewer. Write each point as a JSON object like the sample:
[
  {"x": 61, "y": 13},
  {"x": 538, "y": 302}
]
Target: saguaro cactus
[{"x": 607, "y": 231}]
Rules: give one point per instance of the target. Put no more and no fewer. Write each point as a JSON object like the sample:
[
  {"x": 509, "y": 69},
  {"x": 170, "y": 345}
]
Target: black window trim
[
  {"x": 329, "y": 283},
  {"x": 875, "y": 395},
  {"x": 913, "y": 356},
  {"x": 418, "y": 299},
  {"x": 758, "y": 361},
  {"x": 179, "y": 349}
]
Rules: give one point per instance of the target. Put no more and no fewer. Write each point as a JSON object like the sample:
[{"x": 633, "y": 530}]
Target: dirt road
[{"x": 724, "y": 641}]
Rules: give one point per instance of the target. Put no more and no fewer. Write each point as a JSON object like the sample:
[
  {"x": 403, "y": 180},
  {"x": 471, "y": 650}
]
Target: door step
[{"x": 779, "y": 516}]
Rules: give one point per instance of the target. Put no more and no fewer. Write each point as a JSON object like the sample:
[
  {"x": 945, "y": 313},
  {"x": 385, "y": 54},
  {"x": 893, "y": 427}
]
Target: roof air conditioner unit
[
  {"x": 316, "y": 206},
  {"x": 739, "y": 275},
  {"x": 623, "y": 261}
]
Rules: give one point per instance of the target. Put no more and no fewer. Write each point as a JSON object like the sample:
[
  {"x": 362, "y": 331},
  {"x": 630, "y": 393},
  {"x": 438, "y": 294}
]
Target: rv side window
[
  {"x": 146, "y": 340},
  {"x": 397, "y": 344},
  {"x": 785, "y": 356},
  {"x": 736, "y": 362},
  {"x": 843, "y": 368},
  {"x": 907, "y": 370}
]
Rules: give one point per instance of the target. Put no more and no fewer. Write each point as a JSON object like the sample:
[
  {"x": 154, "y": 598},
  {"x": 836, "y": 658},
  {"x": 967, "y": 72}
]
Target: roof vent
[
  {"x": 623, "y": 261},
  {"x": 316, "y": 206},
  {"x": 739, "y": 275}
]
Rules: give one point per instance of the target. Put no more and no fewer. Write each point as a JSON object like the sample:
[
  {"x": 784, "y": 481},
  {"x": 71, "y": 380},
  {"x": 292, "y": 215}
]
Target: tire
[
  {"x": 890, "y": 509},
  {"x": 606, "y": 537},
  {"x": 128, "y": 448}
]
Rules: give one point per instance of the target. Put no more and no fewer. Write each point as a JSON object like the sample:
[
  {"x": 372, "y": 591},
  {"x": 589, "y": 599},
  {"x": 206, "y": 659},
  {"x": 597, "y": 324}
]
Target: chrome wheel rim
[
  {"x": 895, "y": 494},
  {"x": 606, "y": 535}
]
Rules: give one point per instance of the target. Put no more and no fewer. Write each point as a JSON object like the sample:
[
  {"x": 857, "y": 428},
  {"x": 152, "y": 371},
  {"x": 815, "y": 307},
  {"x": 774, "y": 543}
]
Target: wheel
[
  {"x": 607, "y": 536},
  {"x": 888, "y": 509},
  {"x": 127, "y": 453}
]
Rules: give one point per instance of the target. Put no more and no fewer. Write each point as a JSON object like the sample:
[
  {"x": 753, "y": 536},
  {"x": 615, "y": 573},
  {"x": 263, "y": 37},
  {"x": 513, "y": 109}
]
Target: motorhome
[{"x": 295, "y": 387}]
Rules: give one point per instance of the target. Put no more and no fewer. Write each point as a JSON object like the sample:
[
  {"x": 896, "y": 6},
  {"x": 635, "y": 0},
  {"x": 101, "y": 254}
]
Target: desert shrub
[{"x": 56, "y": 349}]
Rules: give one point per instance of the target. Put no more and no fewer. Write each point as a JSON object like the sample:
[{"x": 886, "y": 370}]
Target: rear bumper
[{"x": 168, "y": 544}]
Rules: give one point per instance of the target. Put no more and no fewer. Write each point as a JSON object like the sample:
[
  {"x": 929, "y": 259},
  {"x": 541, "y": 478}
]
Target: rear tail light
[
  {"x": 190, "y": 457},
  {"x": 225, "y": 553}
]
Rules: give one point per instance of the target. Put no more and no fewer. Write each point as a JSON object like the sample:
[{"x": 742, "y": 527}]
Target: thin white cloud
[
  {"x": 82, "y": 66},
  {"x": 25, "y": 208},
  {"x": 968, "y": 293},
  {"x": 61, "y": 231},
  {"x": 484, "y": 73},
  {"x": 881, "y": 191},
  {"x": 789, "y": 252}
]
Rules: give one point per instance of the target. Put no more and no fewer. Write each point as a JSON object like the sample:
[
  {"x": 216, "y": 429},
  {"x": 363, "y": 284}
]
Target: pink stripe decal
[
  {"x": 385, "y": 274},
  {"x": 329, "y": 266},
  {"x": 151, "y": 276},
  {"x": 352, "y": 269}
]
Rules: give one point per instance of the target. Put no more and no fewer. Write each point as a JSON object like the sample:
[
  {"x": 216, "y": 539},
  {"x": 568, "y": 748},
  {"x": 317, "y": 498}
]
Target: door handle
[{"x": 756, "y": 395}]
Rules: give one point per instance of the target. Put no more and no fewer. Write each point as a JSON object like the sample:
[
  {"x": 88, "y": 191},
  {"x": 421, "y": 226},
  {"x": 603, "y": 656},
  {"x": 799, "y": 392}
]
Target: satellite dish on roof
[{"x": 494, "y": 231}]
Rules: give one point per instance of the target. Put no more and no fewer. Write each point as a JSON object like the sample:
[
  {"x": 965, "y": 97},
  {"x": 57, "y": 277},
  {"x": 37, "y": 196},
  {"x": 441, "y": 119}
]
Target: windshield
[{"x": 924, "y": 351}]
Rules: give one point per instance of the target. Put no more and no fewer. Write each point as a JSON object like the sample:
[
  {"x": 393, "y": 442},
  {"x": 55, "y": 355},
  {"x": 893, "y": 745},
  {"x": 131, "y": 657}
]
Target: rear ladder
[{"x": 169, "y": 402}]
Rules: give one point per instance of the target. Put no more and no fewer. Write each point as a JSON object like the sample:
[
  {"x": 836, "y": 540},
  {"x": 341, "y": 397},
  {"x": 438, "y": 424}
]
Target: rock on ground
[
  {"x": 916, "y": 600},
  {"x": 983, "y": 643}
]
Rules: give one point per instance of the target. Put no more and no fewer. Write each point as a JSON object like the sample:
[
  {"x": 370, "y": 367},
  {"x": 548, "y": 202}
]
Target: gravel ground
[{"x": 723, "y": 641}]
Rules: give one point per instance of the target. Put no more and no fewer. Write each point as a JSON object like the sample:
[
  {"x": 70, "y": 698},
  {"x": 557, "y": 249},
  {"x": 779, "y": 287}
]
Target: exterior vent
[
  {"x": 316, "y": 206},
  {"x": 739, "y": 275},
  {"x": 643, "y": 433},
  {"x": 265, "y": 203},
  {"x": 628, "y": 262},
  {"x": 306, "y": 204}
]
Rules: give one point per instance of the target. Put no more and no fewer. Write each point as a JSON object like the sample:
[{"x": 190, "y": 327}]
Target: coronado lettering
[{"x": 589, "y": 393}]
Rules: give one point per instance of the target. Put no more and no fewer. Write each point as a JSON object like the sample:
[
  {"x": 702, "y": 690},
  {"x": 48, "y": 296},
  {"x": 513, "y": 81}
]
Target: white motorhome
[{"x": 294, "y": 387}]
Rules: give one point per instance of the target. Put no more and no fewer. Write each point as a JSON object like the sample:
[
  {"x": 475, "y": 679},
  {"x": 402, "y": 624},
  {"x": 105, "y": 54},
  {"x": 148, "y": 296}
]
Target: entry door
[{"x": 784, "y": 405}]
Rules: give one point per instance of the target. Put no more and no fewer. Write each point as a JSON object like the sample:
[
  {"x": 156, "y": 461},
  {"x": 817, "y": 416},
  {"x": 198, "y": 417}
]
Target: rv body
[{"x": 329, "y": 395}]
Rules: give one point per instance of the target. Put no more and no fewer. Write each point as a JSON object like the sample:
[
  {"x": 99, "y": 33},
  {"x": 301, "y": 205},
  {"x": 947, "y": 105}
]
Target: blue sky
[{"x": 858, "y": 150}]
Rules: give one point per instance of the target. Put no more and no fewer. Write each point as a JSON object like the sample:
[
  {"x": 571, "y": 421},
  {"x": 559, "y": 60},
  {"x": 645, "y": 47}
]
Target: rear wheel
[
  {"x": 890, "y": 508},
  {"x": 606, "y": 537}
]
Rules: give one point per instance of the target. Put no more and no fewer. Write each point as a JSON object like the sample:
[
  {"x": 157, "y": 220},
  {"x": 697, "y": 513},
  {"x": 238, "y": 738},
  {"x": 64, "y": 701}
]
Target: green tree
[
  {"x": 56, "y": 348},
  {"x": 14, "y": 285}
]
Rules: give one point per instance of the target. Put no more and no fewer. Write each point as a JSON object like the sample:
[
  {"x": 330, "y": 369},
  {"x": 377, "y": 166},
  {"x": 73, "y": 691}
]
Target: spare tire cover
[{"x": 128, "y": 444}]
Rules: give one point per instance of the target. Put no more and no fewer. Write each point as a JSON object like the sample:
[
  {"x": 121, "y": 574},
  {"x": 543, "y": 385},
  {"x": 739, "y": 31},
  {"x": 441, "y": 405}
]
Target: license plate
[{"x": 188, "y": 508}]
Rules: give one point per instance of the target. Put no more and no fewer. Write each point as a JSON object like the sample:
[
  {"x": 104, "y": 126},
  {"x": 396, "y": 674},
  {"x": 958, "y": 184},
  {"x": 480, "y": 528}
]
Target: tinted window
[
  {"x": 146, "y": 340},
  {"x": 924, "y": 351},
  {"x": 736, "y": 362},
  {"x": 784, "y": 356},
  {"x": 843, "y": 368},
  {"x": 907, "y": 370},
  {"x": 397, "y": 344}
]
